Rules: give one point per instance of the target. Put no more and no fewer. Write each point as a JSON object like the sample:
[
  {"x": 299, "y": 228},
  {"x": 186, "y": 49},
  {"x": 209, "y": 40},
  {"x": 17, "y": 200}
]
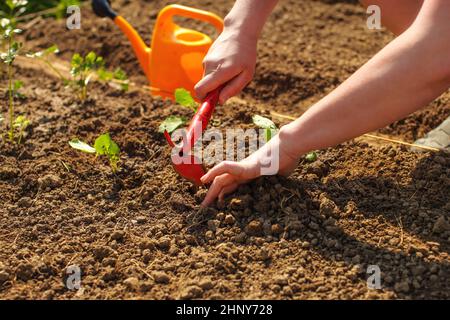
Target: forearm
[
  {"x": 249, "y": 16},
  {"x": 405, "y": 76}
]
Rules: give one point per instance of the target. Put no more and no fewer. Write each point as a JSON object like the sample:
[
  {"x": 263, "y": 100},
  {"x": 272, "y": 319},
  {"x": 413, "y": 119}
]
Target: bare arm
[
  {"x": 250, "y": 15},
  {"x": 232, "y": 57},
  {"x": 397, "y": 15},
  {"x": 406, "y": 75}
]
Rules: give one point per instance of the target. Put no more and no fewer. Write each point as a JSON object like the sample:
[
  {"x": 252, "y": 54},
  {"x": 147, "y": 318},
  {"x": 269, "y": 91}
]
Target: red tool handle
[{"x": 202, "y": 117}]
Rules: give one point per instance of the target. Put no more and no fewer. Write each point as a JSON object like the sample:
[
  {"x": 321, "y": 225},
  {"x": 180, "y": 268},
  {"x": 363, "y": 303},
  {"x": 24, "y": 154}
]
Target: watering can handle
[{"x": 197, "y": 14}]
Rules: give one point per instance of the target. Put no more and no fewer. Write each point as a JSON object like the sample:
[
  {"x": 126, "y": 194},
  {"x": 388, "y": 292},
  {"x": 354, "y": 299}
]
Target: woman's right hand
[
  {"x": 231, "y": 61},
  {"x": 275, "y": 157}
]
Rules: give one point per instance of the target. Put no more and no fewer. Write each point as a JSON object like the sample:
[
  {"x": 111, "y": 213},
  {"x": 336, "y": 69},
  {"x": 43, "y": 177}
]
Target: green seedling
[
  {"x": 8, "y": 59},
  {"x": 21, "y": 123},
  {"x": 183, "y": 98},
  {"x": 36, "y": 8},
  {"x": 103, "y": 146},
  {"x": 11, "y": 9},
  {"x": 83, "y": 68},
  {"x": 270, "y": 129},
  {"x": 311, "y": 156}
]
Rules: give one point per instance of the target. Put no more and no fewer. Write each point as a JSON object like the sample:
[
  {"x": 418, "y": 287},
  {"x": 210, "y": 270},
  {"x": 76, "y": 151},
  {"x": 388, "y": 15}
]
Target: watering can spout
[
  {"x": 142, "y": 51},
  {"x": 102, "y": 8}
]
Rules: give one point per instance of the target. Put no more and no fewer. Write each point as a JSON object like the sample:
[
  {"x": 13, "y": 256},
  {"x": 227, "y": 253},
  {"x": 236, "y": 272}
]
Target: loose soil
[{"x": 140, "y": 234}]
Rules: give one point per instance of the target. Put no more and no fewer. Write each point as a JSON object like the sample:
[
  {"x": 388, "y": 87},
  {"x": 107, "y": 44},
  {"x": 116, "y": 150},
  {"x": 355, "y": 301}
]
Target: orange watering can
[{"x": 176, "y": 54}]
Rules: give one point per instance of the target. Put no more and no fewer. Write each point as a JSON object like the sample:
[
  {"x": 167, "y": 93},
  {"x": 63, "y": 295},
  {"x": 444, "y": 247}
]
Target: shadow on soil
[{"x": 408, "y": 269}]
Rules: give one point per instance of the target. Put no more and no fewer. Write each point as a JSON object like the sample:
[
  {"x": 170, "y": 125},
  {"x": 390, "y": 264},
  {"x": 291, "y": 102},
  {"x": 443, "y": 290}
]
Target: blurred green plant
[
  {"x": 83, "y": 68},
  {"x": 21, "y": 123},
  {"x": 8, "y": 59},
  {"x": 54, "y": 8}
]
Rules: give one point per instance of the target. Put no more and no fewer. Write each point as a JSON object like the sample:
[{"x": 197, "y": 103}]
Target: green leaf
[
  {"x": 184, "y": 98},
  {"x": 11, "y": 4},
  {"x": 21, "y": 122},
  {"x": 105, "y": 75},
  {"x": 76, "y": 63},
  {"x": 311, "y": 156},
  {"x": 263, "y": 123},
  {"x": 18, "y": 85},
  {"x": 90, "y": 57},
  {"x": 53, "y": 49},
  {"x": 269, "y": 133},
  {"x": 104, "y": 145},
  {"x": 82, "y": 146},
  {"x": 114, "y": 149},
  {"x": 171, "y": 123}
]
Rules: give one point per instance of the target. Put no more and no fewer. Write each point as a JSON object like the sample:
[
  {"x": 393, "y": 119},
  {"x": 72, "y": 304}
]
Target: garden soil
[{"x": 140, "y": 233}]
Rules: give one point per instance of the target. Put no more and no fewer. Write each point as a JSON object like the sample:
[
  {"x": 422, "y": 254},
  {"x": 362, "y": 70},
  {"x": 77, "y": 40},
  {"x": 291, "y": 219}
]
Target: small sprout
[
  {"x": 103, "y": 146},
  {"x": 184, "y": 98},
  {"x": 266, "y": 124},
  {"x": 311, "y": 156},
  {"x": 8, "y": 59},
  {"x": 21, "y": 123},
  {"x": 171, "y": 123},
  {"x": 83, "y": 69}
]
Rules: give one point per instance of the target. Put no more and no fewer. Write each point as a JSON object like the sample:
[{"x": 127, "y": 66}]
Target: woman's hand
[
  {"x": 228, "y": 175},
  {"x": 231, "y": 60}
]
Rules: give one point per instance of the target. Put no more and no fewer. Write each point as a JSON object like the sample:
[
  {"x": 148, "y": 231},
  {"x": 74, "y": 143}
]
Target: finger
[
  {"x": 234, "y": 86},
  {"x": 231, "y": 167},
  {"x": 226, "y": 190},
  {"x": 213, "y": 80},
  {"x": 218, "y": 184}
]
